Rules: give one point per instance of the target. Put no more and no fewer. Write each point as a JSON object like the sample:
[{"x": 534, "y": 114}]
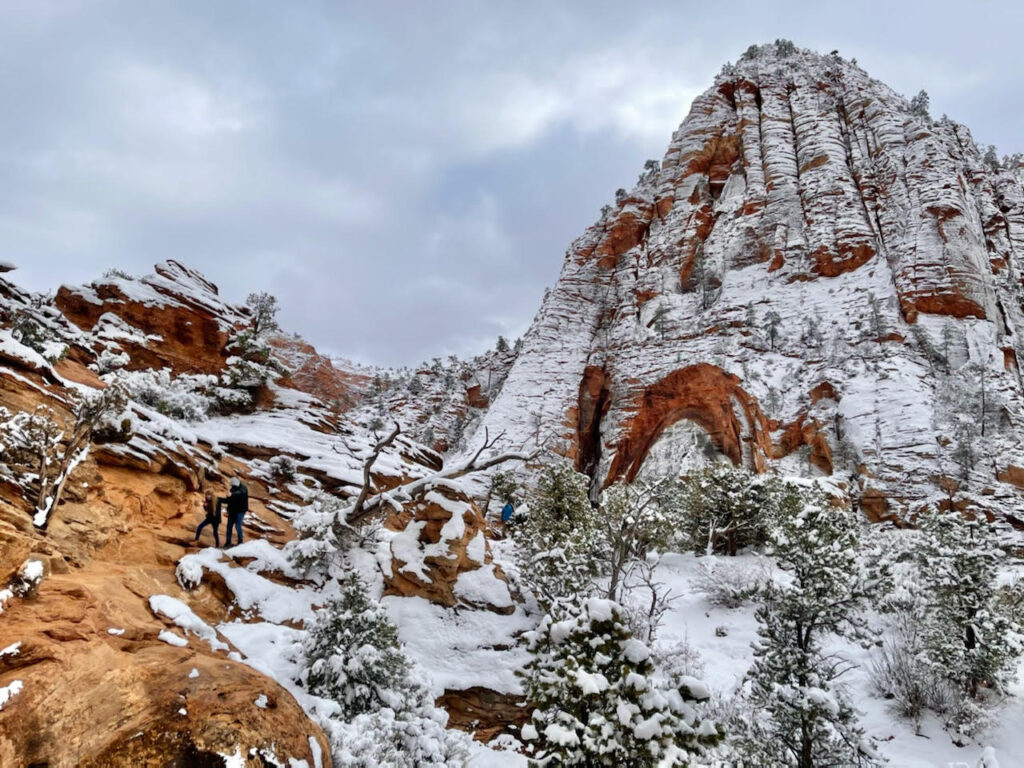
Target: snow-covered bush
[
  {"x": 108, "y": 361},
  {"x": 730, "y": 585},
  {"x": 315, "y": 548},
  {"x": 727, "y": 508},
  {"x": 186, "y": 397},
  {"x": 282, "y": 469},
  {"x": 352, "y": 657},
  {"x": 801, "y": 714},
  {"x": 558, "y": 547},
  {"x": 598, "y": 700},
  {"x": 412, "y": 738},
  {"x": 28, "y": 330},
  {"x": 252, "y": 363},
  {"x": 325, "y": 539}
]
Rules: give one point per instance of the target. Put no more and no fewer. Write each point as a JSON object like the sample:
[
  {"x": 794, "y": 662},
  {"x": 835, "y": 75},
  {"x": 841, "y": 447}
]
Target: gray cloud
[{"x": 405, "y": 176}]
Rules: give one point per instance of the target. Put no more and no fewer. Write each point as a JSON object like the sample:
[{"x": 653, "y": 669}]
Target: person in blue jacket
[{"x": 507, "y": 511}]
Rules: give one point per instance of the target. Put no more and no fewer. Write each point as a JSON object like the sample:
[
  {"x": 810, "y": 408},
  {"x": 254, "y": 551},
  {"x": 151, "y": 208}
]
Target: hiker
[
  {"x": 507, "y": 512},
  {"x": 212, "y": 510},
  {"x": 237, "y": 503}
]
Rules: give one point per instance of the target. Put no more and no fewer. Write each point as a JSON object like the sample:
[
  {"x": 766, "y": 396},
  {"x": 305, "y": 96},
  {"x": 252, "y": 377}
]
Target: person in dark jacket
[
  {"x": 212, "y": 510},
  {"x": 237, "y": 503}
]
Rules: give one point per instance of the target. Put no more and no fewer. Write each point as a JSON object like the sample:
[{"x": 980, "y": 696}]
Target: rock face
[
  {"x": 814, "y": 276},
  {"x": 441, "y": 553},
  {"x": 173, "y": 318},
  {"x": 101, "y": 676},
  {"x": 100, "y": 686}
]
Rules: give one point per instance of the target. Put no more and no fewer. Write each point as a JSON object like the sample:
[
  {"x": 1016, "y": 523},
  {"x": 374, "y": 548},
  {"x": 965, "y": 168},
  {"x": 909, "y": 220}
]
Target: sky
[{"x": 405, "y": 176}]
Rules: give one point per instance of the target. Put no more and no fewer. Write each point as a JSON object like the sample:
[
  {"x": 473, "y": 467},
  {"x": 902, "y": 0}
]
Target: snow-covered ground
[{"x": 727, "y": 657}]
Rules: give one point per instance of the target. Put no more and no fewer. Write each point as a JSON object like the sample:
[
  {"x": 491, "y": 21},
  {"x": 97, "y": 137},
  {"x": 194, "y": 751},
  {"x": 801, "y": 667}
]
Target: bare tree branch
[
  {"x": 368, "y": 463},
  {"x": 415, "y": 488}
]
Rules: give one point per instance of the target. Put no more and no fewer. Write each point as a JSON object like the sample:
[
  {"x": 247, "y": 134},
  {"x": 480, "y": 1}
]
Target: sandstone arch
[{"x": 706, "y": 395}]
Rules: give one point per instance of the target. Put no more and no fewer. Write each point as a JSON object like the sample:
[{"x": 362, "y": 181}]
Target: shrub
[
  {"x": 726, "y": 508},
  {"x": 558, "y": 545},
  {"x": 597, "y": 699}
]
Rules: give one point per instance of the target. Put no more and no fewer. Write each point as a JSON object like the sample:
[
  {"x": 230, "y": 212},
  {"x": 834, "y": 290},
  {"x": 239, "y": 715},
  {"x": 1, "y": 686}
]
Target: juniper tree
[
  {"x": 726, "y": 508},
  {"x": 597, "y": 700},
  {"x": 969, "y": 639},
  {"x": 558, "y": 546},
  {"x": 802, "y": 717}
]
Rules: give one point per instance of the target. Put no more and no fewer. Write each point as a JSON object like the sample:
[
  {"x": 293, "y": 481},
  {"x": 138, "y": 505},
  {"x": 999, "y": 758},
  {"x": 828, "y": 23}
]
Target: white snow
[
  {"x": 114, "y": 631},
  {"x": 9, "y": 691},
  {"x": 182, "y": 615},
  {"x": 10, "y": 650},
  {"x": 481, "y": 587},
  {"x": 261, "y": 701},
  {"x": 194, "y": 673},
  {"x": 32, "y": 570},
  {"x": 172, "y": 639}
]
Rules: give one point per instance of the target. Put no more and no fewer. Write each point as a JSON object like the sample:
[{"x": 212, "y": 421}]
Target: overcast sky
[{"x": 404, "y": 176}]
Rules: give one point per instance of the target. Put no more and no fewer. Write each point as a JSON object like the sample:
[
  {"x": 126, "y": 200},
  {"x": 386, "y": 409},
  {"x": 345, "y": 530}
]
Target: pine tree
[
  {"x": 920, "y": 104},
  {"x": 772, "y": 321},
  {"x": 970, "y": 640},
  {"x": 726, "y": 508},
  {"x": 352, "y": 654},
  {"x": 597, "y": 700},
  {"x": 803, "y": 718},
  {"x": 558, "y": 546},
  {"x": 263, "y": 313}
]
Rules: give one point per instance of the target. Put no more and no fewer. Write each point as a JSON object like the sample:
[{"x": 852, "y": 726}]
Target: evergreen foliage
[
  {"x": 726, "y": 508},
  {"x": 802, "y": 717},
  {"x": 969, "y": 639},
  {"x": 597, "y": 700},
  {"x": 559, "y": 545},
  {"x": 920, "y": 104},
  {"x": 352, "y": 654}
]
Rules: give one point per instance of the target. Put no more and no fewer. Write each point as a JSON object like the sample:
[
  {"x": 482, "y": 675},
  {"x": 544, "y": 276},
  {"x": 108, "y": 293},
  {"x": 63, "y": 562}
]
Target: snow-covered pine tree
[
  {"x": 726, "y": 508},
  {"x": 802, "y": 718},
  {"x": 598, "y": 701},
  {"x": 352, "y": 654},
  {"x": 558, "y": 547},
  {"x": 969, "y": 639}
]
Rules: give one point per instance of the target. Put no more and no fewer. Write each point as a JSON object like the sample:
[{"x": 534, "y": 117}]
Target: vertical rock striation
[{"x": 814, "y": 276}]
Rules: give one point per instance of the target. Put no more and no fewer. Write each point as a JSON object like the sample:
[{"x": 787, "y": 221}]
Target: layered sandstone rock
[{"x": 805, "y": 278}]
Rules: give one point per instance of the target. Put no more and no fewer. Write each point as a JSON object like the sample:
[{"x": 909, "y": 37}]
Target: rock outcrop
[
  {"x": 809, "y": 279},
  {"x": 111, "y": 659}
]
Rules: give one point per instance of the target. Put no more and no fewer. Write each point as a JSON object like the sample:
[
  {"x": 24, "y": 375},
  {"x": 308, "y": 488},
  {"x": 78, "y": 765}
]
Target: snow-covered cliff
[{"x": 817, "y": 275}]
